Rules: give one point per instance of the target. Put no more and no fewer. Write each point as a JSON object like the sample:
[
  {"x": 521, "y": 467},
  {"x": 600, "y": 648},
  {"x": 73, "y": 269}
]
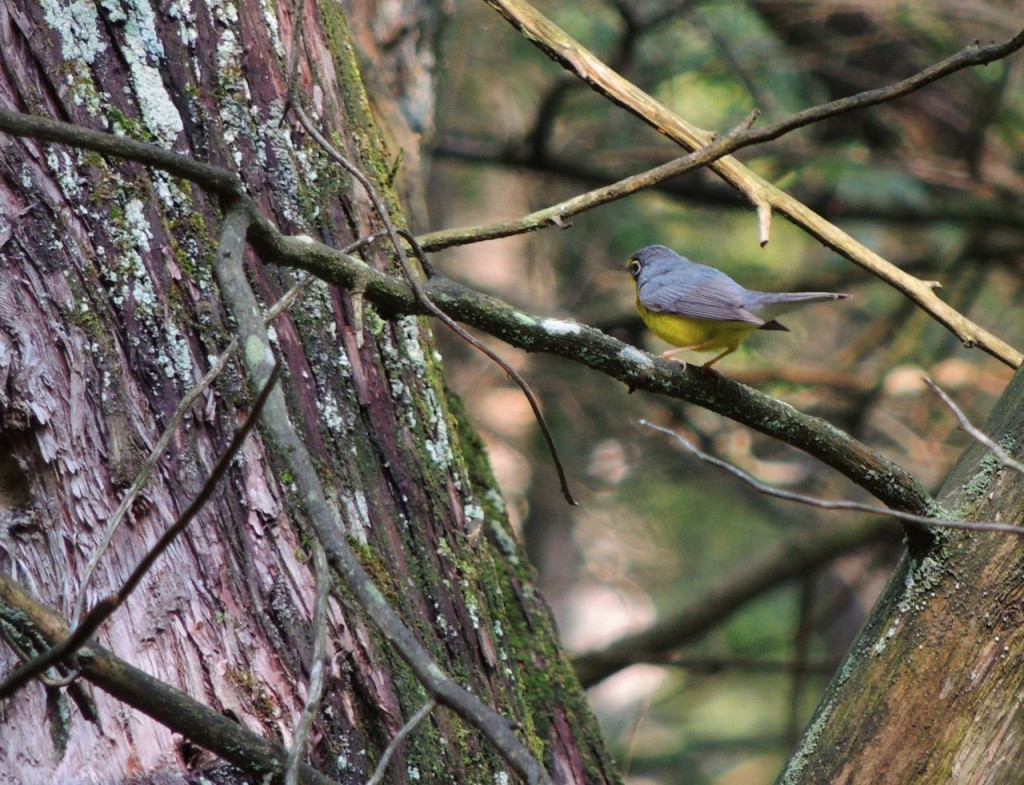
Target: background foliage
[{"x": 929, "y": 181}]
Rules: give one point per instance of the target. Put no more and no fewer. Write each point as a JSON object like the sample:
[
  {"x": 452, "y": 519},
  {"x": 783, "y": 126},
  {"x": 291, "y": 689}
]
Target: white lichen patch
[
  {"x": 496, "y": 500},
  {"x": 474, "y": 514},
  {"x": 333, "y": 416},
  {"x": 63, "y": 169},
  {"x": 236, "y": 102},
  {"x": 77, "y": 26},
  {"x": 560, "y": 327},
  {"x": 405, "y": 359},
  {"x": 472, "y": 609},
  {"x": 137, "y": 225},
  {"x": 177, "y": 361},
  {"x": 273, "y": 28},
  {"x": 357, "y": 515},
  {"x": 142, "y": 51},
  {"x": 883, "y": 642},
  {"x": 506, "y": 543},
  {"x": 524, "y": 318},
  {"x": 634, "y": 356},
  {"x": 187, "y": 31},
  {"x": 287, "y": 176}
]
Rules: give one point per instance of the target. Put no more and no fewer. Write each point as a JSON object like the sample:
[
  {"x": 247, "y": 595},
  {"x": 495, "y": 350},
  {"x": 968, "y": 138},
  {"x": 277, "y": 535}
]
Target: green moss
[
  {"x": 255, "y": 693},
  {"x": 979, "y": 483}
]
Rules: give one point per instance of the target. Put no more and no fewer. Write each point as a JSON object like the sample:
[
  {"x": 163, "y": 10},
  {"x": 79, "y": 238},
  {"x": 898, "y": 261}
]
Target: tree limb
[
  {"x": 637, "y": 369},
  {"x": 322, "y": 516}
]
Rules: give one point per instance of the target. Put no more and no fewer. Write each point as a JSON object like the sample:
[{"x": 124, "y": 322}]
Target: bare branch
[
  {"x": 322, "y": 516},
  {"x": 1001, "y": 455},
  {"x": 324, "y": 584},
  {"x": 212, "y": 178},
  {"x": 408, "y": 728},
  {"x": 557, "y": 214},
  {"x": 562, "y": 48},
  {"x": 424, "y": 298},
  {"x": 838, "y": 504},
  {"x": 636, "y": 369},
  {"x": 598, "y": 351},
  {"x": 181, "y": 713}
]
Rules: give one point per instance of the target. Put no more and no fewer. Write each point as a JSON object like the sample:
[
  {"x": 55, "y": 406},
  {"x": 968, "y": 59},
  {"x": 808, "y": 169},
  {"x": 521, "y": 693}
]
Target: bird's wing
[{"x": 711, "y": 295}]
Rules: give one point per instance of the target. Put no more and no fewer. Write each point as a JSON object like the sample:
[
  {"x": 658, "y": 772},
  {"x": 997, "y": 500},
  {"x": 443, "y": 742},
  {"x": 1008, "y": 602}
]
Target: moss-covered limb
[
  {"x": 212, "y": 178},
  {"x": 876, "y": 474},
  {"x": 201, "y": 724},
  {"x": 639, "y": 370}
]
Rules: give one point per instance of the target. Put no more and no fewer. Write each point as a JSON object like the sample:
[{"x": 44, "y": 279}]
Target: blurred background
[{"x": 932, "y": 182}]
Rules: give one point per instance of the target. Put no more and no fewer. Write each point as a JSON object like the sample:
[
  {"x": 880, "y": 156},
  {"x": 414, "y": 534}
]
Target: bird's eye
[{"x": 634, "y": 267}]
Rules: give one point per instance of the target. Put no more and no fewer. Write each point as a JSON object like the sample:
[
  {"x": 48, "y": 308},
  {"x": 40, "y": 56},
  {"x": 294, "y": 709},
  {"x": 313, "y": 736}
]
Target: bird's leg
[
  {"x": 689, "y": 347},
  {"x": 713, "y": 360}
]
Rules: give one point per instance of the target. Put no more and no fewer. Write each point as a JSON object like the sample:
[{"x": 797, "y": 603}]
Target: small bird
[{"x": 693, "y": 306}]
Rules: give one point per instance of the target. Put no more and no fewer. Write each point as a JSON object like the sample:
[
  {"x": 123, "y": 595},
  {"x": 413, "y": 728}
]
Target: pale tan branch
[{"x": 562, "y": 48}]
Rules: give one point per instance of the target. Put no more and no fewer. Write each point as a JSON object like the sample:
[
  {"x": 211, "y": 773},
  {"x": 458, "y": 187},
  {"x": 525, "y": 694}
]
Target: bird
[{"x": 696, "y": 307}]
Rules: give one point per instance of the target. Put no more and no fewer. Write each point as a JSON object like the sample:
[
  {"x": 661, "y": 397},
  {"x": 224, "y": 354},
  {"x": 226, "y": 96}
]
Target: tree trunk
[
  {"x": 931, "y": 691},
  {"x": 110, "y": 313}
]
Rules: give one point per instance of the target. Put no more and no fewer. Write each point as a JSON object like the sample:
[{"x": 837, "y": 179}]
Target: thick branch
[
  {"x": 636, "y": 369},
  {"x": 330, "y": 531},
  {"x": 212, "y": 178},
  {"x": 881, "y": 477}
]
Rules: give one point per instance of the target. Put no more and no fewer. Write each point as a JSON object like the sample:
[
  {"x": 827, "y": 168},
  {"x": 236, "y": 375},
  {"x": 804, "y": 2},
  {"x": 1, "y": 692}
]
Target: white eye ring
[{"x": 634, "y": 267}]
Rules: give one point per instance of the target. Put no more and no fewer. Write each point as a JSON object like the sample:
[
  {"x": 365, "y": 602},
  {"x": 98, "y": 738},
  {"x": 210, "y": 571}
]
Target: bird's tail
[{"x": 768, "y": 305}]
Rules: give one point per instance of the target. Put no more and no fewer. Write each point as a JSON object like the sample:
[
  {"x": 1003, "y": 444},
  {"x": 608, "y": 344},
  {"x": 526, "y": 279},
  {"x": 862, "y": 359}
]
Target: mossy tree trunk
[
  {"x": 931, "y": 692},
  {"x": 110, "y": 313}
]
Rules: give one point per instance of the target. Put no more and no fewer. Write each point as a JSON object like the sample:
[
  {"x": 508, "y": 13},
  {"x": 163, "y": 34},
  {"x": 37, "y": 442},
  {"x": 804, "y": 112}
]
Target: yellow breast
[{"x": 703, "y": 335}]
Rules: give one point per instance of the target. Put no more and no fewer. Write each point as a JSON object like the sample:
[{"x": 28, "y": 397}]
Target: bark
[
  {"x": 110, "y": 313},
  {"x": 931, "y": 691}
]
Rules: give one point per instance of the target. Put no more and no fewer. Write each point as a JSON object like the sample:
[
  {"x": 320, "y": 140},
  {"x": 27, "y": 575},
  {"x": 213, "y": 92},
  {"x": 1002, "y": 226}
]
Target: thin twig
[
  {"x": 406, "y": 729},
  {"x": 837, "y": 504},
  {"x": 636, "y": 369},
  {"x": 1001, "y": 455},
  {"x": 557, "y": 214},
  {"x": 512, "y": 373},
  {"x": 103, "y": 609},
  {"x": 323, "y": 517},
  {"x": 316, "y": 671},
  {"x": 172, "y": 708},
  {"x": 212, "y": 178}
]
